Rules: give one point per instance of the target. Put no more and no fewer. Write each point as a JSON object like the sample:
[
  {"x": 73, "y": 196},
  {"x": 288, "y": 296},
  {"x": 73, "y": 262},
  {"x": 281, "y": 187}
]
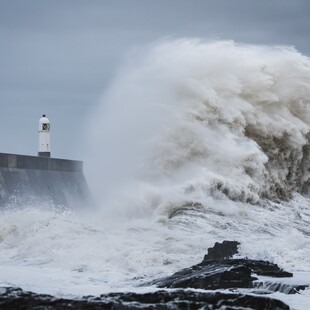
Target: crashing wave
[{"x": 194, "y": 120}]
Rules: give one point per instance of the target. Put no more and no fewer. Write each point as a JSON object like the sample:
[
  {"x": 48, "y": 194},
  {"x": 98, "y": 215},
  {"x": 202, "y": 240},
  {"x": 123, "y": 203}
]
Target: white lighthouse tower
[{"x": 44, "y": 137}]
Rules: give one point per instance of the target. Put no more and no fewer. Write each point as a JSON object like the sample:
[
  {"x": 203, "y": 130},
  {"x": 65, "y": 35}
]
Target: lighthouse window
[{"x": 46, "y": 127}]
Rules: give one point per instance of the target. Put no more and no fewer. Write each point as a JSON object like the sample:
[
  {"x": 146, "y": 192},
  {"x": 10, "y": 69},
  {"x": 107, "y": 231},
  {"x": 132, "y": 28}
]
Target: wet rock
[
  {"x": 259, "y": 267},
  {"x": 211, "y": 276},
  {"x": 227, "y": 249},
  {"x": 15, "y": 298},
  {"x": 223, "y": 250},
  {"x": 218, "y": 271}
]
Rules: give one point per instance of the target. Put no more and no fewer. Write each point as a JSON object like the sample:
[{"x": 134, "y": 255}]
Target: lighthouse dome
[
  {"x": 44, "y": 123},
  {"x": 44, "y": 119}
]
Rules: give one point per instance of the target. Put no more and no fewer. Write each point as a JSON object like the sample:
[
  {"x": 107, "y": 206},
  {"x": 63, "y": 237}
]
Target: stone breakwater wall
[{"x": 28, "y": 180}]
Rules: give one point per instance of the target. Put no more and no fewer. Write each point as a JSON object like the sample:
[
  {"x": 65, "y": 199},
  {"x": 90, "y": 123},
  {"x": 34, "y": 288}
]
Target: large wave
[{"x": 187, "y": 121}]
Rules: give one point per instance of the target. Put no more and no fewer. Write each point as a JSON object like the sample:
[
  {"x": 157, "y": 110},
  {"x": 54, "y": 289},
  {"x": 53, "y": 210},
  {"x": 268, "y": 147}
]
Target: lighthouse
[{"x": 44, "y": 137}]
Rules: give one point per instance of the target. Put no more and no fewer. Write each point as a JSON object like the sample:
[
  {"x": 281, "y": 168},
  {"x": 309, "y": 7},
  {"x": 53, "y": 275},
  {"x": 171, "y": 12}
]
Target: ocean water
[{"x": 194, "y": 142}]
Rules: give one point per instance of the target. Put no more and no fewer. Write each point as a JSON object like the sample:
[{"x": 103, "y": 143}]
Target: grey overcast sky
[{"x": 58, "y": 56}]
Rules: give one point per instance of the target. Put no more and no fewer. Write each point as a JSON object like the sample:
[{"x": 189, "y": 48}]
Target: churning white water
[{"x": 193, "y": 143}]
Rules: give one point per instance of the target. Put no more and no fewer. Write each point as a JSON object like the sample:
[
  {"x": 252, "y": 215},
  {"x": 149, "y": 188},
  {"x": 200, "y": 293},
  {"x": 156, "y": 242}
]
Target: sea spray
[{"x": 190, "y": 120}]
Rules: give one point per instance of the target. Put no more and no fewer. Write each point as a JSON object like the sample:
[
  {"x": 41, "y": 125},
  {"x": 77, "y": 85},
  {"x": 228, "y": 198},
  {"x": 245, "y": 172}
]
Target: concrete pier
[{"x": 30, "y": 180}]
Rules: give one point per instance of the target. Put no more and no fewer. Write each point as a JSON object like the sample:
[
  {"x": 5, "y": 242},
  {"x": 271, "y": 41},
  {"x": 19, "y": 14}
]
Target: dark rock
[
  {"x": 260, "y": 267},
  {"x": 226, "y": 273},
  {"x": 216, "y": 271},
  {"x": 226, "y": 249},
  {"x": 211, "y": 276},
  {"x": 15, "y": 298},
  {"x": 223, "y": 250}
]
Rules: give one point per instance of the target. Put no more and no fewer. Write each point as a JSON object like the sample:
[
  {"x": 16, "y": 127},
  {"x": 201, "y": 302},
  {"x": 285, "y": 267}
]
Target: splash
[{"x": 188, "y": 122}]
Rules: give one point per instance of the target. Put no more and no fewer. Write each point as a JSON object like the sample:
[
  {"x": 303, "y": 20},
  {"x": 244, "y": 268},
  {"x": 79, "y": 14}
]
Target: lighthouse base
[{"x": 44, "y": 154}]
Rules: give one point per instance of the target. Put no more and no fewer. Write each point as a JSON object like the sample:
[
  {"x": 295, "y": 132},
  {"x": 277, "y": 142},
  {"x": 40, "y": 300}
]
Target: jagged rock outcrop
[
  {"x": 223, "y": 250},
  {"x": 218, "y": 270},
  {"x": 210, "y": 276}
]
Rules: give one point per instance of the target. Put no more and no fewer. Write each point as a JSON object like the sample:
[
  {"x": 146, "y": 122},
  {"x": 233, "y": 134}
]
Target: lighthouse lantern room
[{"x": 44, "y": 137}]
